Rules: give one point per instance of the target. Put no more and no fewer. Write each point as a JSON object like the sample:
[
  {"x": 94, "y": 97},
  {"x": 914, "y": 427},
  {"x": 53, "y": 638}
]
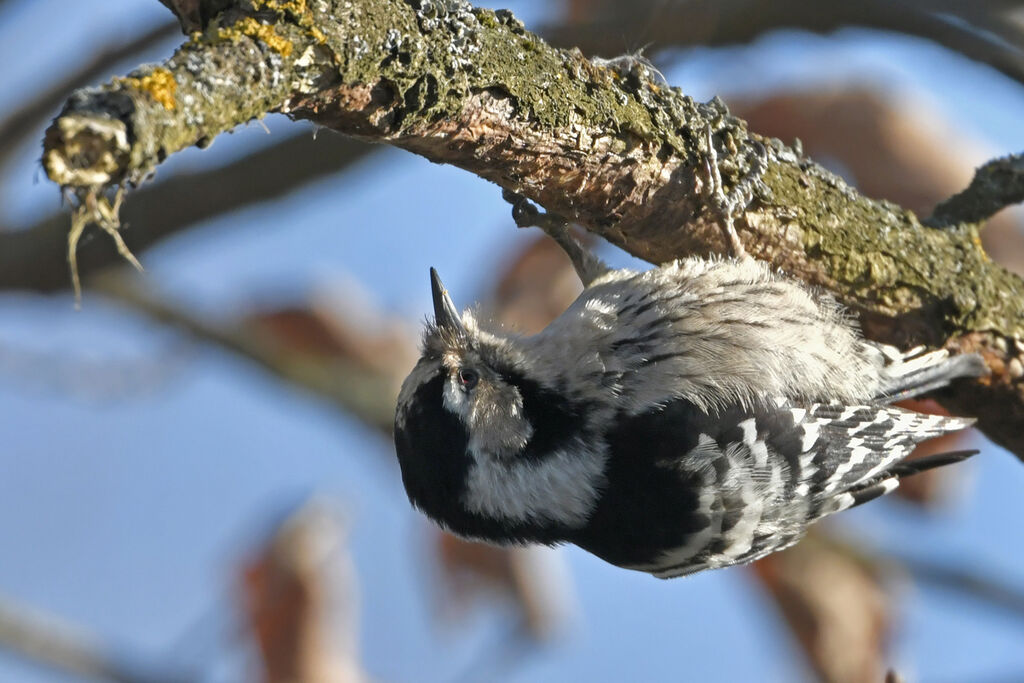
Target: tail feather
[
  {"x": 890, "y": 480},
  {"x": 869, "y": 493},
  {"x": 908, "y": 468},
  {"x": 915, "y": 373}
]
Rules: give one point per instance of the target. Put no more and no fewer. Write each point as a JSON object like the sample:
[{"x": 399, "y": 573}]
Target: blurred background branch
[
  {"x": 35, "y": 257},
  {"x": 49, "y": 642},
  {"x": 305, "y": 348},
  {"x": 989, "y": 31}
]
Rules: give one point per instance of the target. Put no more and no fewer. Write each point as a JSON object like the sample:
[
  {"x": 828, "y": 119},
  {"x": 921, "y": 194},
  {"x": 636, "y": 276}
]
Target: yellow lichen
[
  {"x": 247, "y": 26},
  {"x": 317, "y": 34},
  {"x": 296, "y": 7},
  {"x": 158, "y": 84},
  {"x": 976, "y": 240},
  {"x": 301, "y": 14}
]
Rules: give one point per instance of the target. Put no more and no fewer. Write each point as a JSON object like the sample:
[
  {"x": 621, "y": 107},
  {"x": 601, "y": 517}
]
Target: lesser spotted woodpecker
[{"x": 697, "y": 415}]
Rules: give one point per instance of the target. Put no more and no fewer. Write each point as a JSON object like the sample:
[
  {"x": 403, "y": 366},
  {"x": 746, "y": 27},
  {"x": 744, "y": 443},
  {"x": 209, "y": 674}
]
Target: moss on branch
[{"x": 241, "y": 67}]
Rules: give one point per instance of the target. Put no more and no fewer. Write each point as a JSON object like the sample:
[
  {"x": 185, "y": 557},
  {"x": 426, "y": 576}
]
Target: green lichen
[
  {"x": 486, "y": 18},
  {"x": 883, "y": 258},
  {"x": 474, "y": 50}
]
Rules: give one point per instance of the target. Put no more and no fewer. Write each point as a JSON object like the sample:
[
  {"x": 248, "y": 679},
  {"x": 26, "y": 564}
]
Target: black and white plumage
[{"x": 697, "y": 415}]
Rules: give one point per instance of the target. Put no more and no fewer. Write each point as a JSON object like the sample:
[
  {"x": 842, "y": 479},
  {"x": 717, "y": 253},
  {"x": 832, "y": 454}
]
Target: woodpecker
[{"x": 697, "y": 415}]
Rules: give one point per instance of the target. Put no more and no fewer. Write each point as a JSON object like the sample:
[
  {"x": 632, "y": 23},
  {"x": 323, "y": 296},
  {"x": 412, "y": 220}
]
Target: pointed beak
[{"x": 445, "y": 313}]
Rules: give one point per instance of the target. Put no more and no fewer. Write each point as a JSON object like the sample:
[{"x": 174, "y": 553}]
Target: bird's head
[{"x": 488, "y": 446}]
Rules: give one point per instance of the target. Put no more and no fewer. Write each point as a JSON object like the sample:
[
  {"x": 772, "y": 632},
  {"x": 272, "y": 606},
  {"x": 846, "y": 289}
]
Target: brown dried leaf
[
  {"x": 474, "y": 570},
  {"x": 834, "y": 606},
  {"x": 535, "y": 287},
  {"x": 377, "y": 343},
  {"x": 300, "y": 602}
]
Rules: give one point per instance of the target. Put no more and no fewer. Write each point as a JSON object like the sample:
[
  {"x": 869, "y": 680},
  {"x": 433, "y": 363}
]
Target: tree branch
[
  {"x": 15, "y": 127},
  {"x": 613, "y": 150},
  {"x": 996, "y": 185}
]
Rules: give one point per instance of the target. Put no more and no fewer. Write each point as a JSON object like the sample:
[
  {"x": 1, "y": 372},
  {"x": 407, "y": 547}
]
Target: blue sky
[{"x": 125, "y": 509}]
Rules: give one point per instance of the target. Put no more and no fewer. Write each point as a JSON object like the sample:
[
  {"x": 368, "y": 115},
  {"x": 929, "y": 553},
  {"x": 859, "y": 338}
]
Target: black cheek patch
[
  {"x": 432, "y": 452},
  {"x": 556, "y": 421},
  {"x": 431, "y": 445}
]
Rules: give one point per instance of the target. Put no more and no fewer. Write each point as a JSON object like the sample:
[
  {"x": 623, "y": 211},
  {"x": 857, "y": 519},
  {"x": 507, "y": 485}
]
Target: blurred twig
[
  {"x": 56, "y": 644},
  {"x": 989, "y": 31},
  {"x": 967, "y": 582},
  {"x": 367, "y": 393},
  {"x": 36, "y": 257}
]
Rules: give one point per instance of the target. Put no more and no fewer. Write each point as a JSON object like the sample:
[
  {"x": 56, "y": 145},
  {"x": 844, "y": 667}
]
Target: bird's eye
[{"x": 468, "y": 378}]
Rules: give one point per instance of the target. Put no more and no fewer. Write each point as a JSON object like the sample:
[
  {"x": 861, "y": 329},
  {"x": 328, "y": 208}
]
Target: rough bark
[
  {"x": 608, "y": 145},
  {"x": 996, "y": 185}
]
